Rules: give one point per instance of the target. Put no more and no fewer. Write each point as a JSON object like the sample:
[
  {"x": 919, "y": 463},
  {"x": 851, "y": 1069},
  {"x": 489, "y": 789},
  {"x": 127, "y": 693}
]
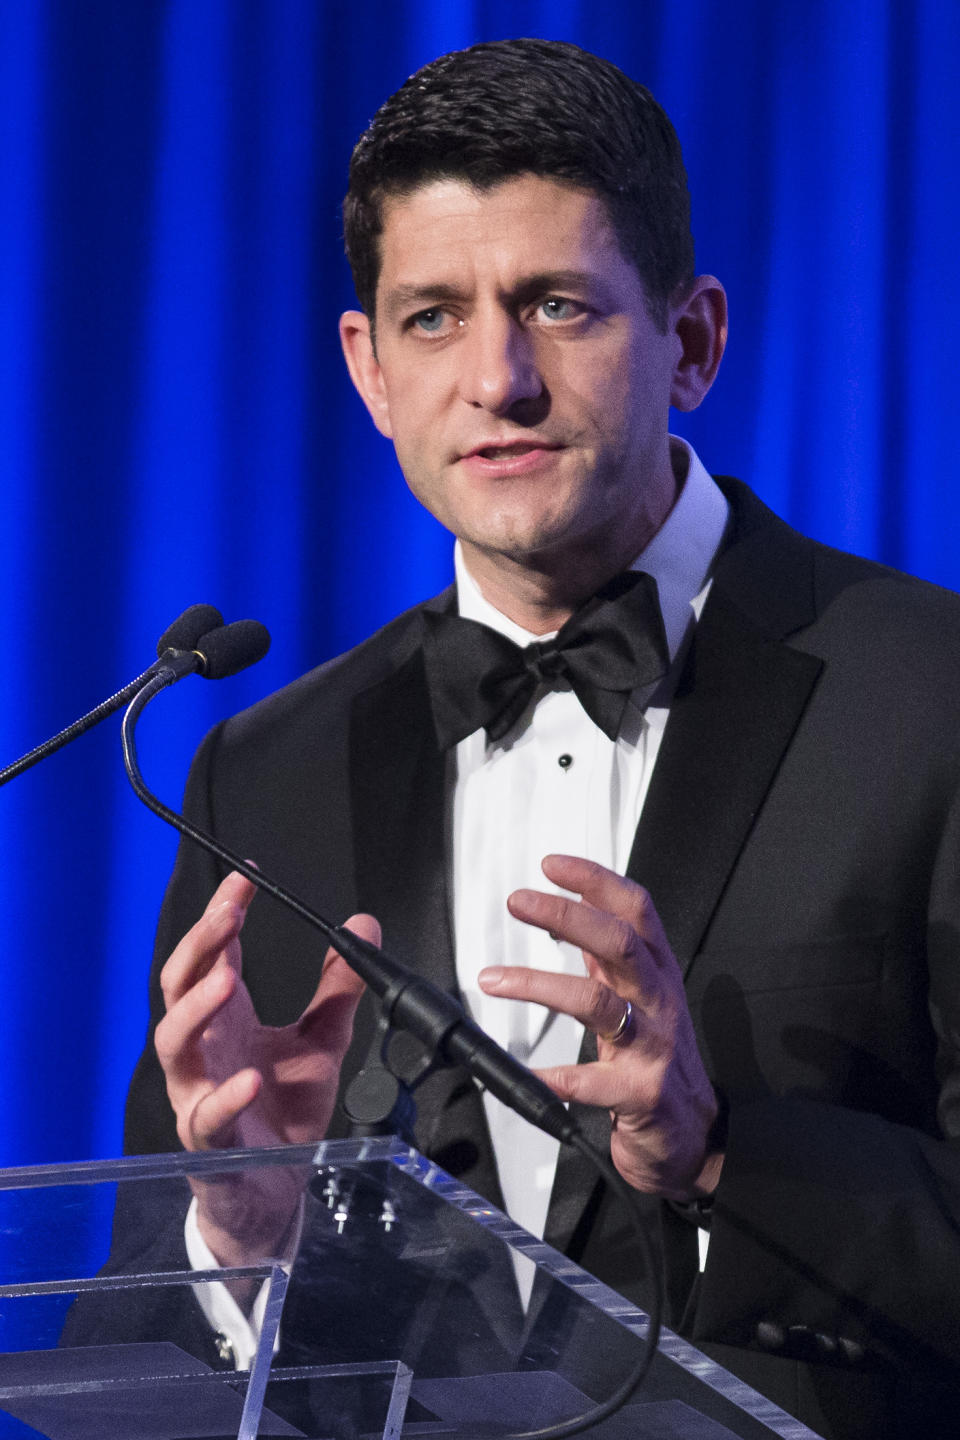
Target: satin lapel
[
  {"x": 735, "y": 711},
  {"x": 576, "y": 1179},
  {"x": 398, "y": 789},
  {"x": 739, "y": 701},
  {"x": 397, "y": 785}
]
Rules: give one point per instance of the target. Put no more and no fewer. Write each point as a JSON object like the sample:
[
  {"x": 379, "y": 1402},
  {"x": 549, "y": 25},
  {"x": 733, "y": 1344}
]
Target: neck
[
  {"x": 537, "y": 601},
  {"x": 541, "y": 592}
]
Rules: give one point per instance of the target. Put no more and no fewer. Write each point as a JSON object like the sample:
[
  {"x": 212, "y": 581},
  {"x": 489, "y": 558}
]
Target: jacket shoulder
[
  {"x": 323, "y": 696},
  {"x": 785, "y": 580}
]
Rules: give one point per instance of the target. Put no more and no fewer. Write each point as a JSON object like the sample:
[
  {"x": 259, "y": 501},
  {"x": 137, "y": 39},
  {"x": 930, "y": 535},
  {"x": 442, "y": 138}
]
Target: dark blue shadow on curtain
[{"x": 176, "y": 425}]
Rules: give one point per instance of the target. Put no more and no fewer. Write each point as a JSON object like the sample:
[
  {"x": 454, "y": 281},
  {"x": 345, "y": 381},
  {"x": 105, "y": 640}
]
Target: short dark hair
[{"x": 543, "y": 107}]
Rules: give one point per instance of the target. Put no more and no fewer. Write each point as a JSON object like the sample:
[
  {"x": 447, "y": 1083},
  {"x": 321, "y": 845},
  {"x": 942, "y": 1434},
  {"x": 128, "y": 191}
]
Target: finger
[
  {"x": 613, "y": 942},
  {"x": 212, "y": 1122},
  {"x": 603, "y": 1084},
  {"x": 588, "y": 1000},
  {"x": 339, "y": 990},
  {"x": 368, "y": 929},
  {"x": 215, "y": 933},
  {"x": 606, "y": 890},
  {"x": 177, "y": 1036}
]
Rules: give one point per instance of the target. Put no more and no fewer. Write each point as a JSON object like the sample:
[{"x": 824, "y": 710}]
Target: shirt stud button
[{"x": 565, "y": 761}]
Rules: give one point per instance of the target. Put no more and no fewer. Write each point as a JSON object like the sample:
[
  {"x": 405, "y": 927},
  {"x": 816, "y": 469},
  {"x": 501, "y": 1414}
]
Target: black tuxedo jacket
[{"x": 800, "y": 841}]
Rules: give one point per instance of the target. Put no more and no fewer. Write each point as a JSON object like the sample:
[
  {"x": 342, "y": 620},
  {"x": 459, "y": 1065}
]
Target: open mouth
[
  {"x": 513, "y": 451},
  {"x": 506, "y": 452}
]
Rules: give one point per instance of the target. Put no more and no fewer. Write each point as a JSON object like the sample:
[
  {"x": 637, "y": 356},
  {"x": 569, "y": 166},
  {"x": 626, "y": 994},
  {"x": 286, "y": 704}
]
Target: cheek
[
  {"x": 421, "y": 468},
  {"x": 594, "y": 386},
  {"x": 411, "y": 405}
]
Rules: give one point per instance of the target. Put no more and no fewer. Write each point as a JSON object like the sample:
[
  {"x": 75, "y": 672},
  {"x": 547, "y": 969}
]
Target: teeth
[{"x": 497, "y": 452}]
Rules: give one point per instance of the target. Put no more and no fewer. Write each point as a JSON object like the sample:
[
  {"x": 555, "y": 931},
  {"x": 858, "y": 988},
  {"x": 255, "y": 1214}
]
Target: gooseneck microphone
[
  {"x": 195, "y": 622},
  {"x": 180, "y": 637},
  {"x": 224, "y": 650}
]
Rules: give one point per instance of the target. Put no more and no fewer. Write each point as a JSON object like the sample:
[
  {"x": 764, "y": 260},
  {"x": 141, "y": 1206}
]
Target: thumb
[
  {"x": 339, "y": 989},
  {"x": 368, "y": 929}
]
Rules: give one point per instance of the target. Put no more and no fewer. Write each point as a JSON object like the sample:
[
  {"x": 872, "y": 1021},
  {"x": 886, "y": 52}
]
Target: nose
[{"x": 498, "y": 364}]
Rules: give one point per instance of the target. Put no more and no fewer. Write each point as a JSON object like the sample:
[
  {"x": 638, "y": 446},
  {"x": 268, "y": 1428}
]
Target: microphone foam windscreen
[
  {"x": 230, "y": 648},
  {"x": 189, "y": 627}
]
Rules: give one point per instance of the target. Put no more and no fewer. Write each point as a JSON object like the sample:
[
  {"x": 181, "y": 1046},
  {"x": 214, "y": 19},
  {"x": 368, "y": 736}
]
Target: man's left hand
[{"x": 651, "y": 1077}]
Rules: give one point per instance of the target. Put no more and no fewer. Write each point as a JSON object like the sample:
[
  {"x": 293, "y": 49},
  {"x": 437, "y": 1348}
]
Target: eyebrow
[
  {"x": 547, "y": 281},
  {"x": 405, "y": 297}
]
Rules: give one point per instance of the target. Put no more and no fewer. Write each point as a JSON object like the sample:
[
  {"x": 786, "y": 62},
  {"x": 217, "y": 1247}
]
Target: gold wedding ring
[{"x": 622, "y": 1034}]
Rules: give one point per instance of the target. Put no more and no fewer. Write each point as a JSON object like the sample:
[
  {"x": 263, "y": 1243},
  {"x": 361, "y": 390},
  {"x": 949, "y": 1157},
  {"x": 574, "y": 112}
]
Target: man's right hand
[{"x": 233, "y": 1082}]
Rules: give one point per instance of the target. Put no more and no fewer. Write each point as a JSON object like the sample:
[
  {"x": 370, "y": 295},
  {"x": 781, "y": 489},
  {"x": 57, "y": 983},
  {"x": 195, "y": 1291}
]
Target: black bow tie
[{"x": 477, "y": 677}]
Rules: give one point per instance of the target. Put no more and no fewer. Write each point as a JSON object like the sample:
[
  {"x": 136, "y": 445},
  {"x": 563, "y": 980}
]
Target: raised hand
[
  {"x": 648, "y": 1073},
  {"x": 233, "y": 1082}
]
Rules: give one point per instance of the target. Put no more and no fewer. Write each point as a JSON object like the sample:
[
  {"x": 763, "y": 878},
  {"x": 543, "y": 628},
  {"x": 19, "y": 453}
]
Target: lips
[
  {"x": 509, "y": 449},
  {"x": 506, "y": 452},
  {"x": 511, "y": 459}
]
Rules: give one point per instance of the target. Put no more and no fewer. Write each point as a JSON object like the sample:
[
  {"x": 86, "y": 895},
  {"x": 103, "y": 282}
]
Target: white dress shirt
[{"x": 557, "y": 784}]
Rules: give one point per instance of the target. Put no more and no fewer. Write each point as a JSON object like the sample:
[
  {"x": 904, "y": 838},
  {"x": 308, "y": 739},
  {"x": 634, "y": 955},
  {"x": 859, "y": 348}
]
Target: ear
[
  {"x": 699, "y": 319},
  {"x": 357, "y": 343}
]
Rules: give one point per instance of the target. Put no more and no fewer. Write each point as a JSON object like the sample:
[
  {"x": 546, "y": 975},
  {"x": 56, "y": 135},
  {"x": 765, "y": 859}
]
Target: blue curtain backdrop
[{"x": 176, "y": 425}]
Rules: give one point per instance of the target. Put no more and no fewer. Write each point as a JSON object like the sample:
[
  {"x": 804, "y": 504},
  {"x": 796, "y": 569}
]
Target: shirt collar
[{"x": 679, "y": 557}]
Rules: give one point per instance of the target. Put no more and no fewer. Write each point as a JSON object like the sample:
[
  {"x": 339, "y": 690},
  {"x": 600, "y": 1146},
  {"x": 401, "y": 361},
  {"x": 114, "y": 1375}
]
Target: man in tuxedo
[{"x": 739, "y": 963}]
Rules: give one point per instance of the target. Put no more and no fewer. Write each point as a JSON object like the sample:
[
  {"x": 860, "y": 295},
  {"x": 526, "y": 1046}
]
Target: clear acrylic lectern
[{"x": 400, "y": 1316}]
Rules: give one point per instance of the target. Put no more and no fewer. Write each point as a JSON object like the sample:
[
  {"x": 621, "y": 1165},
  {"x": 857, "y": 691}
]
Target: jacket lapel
[
  {"x": 735, "y": 712},
  {"x": 399, "y": 801},
  {"x": 739, "y": 700},
  {"x": 397, "y": 776},
  {"x": 737, "y": 706}
]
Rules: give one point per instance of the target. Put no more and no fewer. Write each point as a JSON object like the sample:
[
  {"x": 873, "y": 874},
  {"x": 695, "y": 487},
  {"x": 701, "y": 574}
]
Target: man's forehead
[
  {"x": 529, "y": 223},
  {"x": 524, "y": 194}
]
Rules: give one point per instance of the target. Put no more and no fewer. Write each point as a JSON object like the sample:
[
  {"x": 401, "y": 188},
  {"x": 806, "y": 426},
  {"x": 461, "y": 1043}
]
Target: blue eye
[
  {"x": 557, "y": 308},
  {"x": 429, "y": 321}
]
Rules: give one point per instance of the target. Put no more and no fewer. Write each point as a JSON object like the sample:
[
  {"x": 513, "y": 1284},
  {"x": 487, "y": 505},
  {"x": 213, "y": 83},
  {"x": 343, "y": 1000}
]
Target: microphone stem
[
  {"x": 79, "y": 727},
  {"x": 141, "y": 699}
]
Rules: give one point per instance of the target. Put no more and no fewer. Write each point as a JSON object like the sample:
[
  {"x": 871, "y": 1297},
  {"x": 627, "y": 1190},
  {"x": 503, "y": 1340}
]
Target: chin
[
  {"x": 524, "y": 548},
  {"x": 519, "y": 535}
]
